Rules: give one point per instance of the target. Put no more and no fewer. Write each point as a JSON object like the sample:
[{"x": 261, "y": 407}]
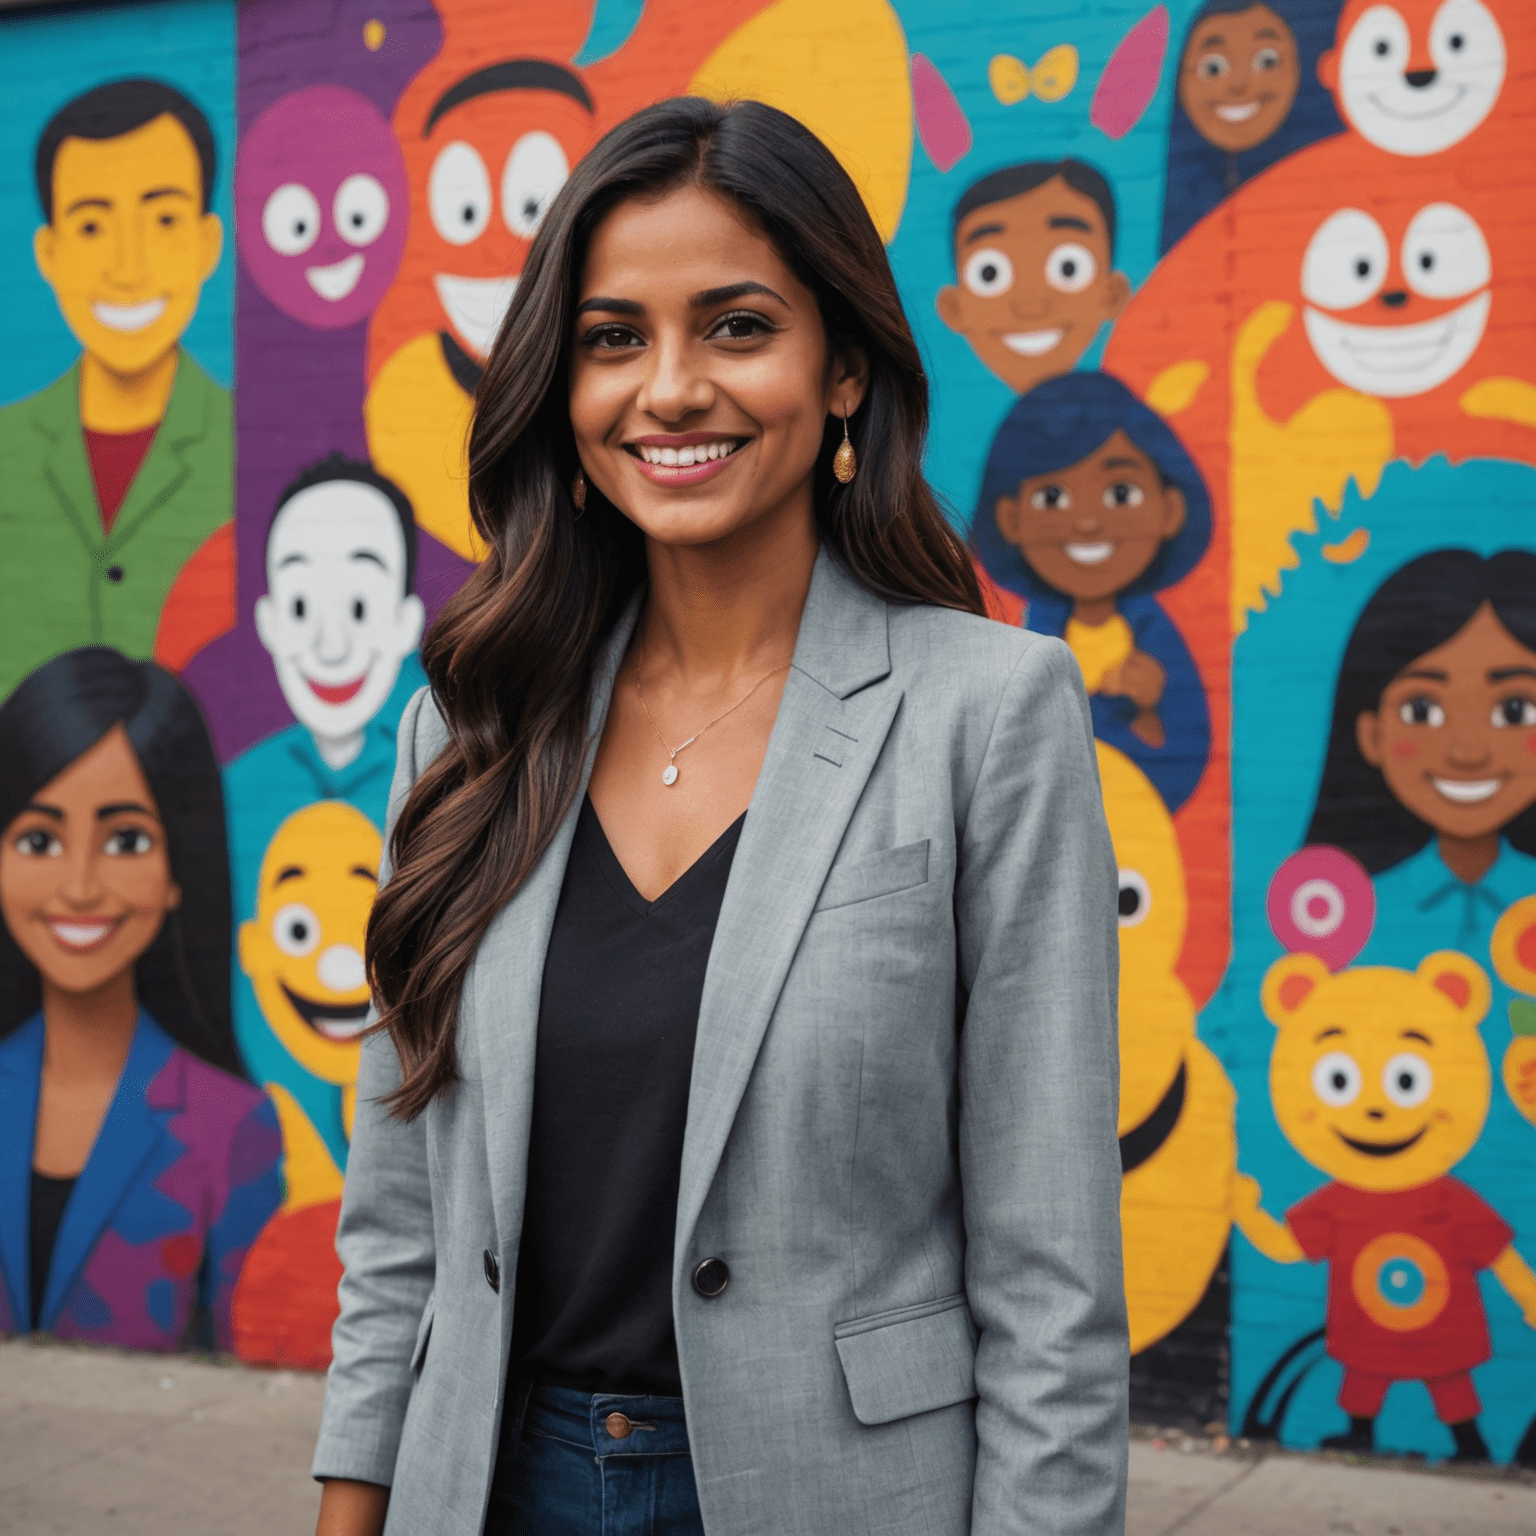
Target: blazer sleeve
[
  {"x": 1037, "y": 921},
  {"x": 384, "y": 1238}
]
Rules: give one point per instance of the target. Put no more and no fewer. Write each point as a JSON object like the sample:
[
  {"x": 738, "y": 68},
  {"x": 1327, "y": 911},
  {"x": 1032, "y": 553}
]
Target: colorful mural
[{"x": 1230, "y": 310}]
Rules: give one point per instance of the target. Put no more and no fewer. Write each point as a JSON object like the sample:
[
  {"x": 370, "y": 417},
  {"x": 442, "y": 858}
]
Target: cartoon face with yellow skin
[
  {"x": 1157, "y": 1017},
  {"x": 1379, "y": 1076},
  {"x": 1513, "y": 951},
  {"x": 304, "y": 948},
  {"x": 129, "y": 244}
]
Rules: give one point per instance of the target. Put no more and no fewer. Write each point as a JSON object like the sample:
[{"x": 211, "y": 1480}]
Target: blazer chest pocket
[
  {"x": 881, "y": 874},
  {"x": 423, "y": 1334},
  {"x": 909, "y": 1361}
]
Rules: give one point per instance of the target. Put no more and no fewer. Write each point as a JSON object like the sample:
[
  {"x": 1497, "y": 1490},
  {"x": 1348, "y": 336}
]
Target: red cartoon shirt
[{"x": 1402, "y": 1286}]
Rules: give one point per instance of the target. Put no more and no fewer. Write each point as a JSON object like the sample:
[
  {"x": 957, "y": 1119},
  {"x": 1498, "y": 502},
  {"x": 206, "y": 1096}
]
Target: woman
[
  {"x": 136, "y": 1163},
  {"x": 1089, "y": 507},
  {"x": 1430, "y": 776},
  {"x": 747, "y": 969}
]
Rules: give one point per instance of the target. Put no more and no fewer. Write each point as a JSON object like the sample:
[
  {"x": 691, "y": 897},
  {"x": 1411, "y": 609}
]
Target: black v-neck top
[
  {"x": 623, "y": 978},
  {"x": 49, "y": 1196}
]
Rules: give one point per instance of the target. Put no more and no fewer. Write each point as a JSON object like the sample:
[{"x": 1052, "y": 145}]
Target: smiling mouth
[
  {"x": 684, "y": 463},
  {"x": 1396, "y": 360},
  {"x": 1237, "y": 112},
  {"x": 475, "y": 306},
  {"x": 336, "y": 693},
  {"x": 1090, "y": 554},
  {"x": 1033, "y": 343},
  {"x": 335, "y": 1021},
  {"x": 1380, "y": 1148},
  {"x": 81, "y": 934},
  {"x": 337, "y": 280},
  {"x": 1467, "y": 791},
  {"x": 1447, "y": 104},
  {"x": 128, "y": 317}
]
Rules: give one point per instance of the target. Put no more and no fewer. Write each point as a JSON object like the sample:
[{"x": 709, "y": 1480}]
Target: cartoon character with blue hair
[{"x": 1090, "y": 506}]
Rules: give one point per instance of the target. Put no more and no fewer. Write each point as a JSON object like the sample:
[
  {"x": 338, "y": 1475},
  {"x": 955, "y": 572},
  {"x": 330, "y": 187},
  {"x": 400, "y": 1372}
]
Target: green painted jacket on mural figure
[{"x": 64, "y": 580}]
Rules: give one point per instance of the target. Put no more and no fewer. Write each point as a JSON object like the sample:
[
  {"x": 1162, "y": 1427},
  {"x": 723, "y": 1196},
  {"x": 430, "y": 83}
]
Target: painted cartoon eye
[
  {"x": 359, "y": 610},
  {"x": 1421, "y": 711},
  {"x": 298, "y": 607},
  {"x": 1444, "y": 253},
  {"x": 459, "y": 194},
  {"x": 988, "y": 273},
  {"x": 535, "y": 170},
  {"x": 1070, "y": 267},
  {"x": 38, "y": 843},
  {"x": 126, "y": 842},
  {"x": 1211, "y": 66},
  {"x": 1135, "y": 898},
  {"x": 1513, "y": 711},
  {"x": 1346, "y": 260},
  {"x": 1266, "y": 59},
  {"x": 290, "y": 219},
  {"x": 1407, "y": 1080},
  {"x": 1465, "y": 34},
  {"x": 1378, "y": 41},
  {"x": 361, "y": 209},
  {"x": 1123, "y": 494},
  {"x": 1336, "y": 1079},
  {"x": 296, "y": 930},
  {"x": 1051, "y": 498}
]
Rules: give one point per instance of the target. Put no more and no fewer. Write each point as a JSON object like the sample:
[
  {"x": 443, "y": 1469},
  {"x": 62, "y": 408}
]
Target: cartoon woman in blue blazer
[
  {"x": 136, "y": 1163},
  {"x": 1090, "y": 505}
]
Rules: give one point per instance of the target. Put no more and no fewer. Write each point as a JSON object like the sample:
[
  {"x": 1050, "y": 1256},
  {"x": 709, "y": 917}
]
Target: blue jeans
[{"x": 596, "y": 1466}]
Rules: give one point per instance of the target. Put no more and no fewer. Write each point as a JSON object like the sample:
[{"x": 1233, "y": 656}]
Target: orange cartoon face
[
  {"x": 485, "y": 156},
  {"x": 1415, "y": 77}
]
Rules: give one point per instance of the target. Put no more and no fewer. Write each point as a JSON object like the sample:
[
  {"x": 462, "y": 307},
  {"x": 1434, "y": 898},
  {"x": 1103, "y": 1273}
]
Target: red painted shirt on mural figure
[
  {"x": 1403, "y": 1298},
  {"x": 115, "y": 459}
]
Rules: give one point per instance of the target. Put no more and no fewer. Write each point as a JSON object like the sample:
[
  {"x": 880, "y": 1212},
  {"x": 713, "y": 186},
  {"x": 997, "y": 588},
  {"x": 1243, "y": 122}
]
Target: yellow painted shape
[
  {"x": 1349, "y": 549},
  {"x": 1520, "y": 1075},
  {"x": 842, "y": 70},
  {"x": 417, "y": 419},
  {"x": 1009, "y": 78},
  {"x": 308, "y": 1168},
  {"x": 1175, "y": 388},
  {"x": 1100, "y": 648},
  {"x": 1280, "y": 468},
  {"x": 313, "y": 896},
  {"x": 1056, "y": 73},
  {"x": 1502, "y": 400},
  {"x": 1338, "y": 1028},
  {"x": 373, "y": 35},
  {"x": 1516, "y": 920}
]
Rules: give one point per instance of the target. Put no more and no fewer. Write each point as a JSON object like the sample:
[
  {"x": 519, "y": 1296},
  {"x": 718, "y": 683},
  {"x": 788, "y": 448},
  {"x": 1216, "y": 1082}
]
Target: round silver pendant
[{"x": 669, "y": 774}]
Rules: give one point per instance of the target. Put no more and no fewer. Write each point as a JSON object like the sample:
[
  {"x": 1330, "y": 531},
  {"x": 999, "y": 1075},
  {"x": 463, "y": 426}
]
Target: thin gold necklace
[{"x": 669, "y": 773}]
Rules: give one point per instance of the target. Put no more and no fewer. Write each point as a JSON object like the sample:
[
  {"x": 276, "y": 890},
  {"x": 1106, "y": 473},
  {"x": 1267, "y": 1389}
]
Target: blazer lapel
[
  {"x": 131, "y": 1132},
  {"x": 65, "y": 465},
  {"x": 502, "y": 989},
  {"x": 830, "y": 728},
  {"x": 165, "y": 466},
  {"x": 21, "y": 1072}
]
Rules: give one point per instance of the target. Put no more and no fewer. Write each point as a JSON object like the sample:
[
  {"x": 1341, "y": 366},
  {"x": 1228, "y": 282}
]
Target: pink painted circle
[
  {"x": 1321, "y": 902},
  {"x": 321, "y": 205}
]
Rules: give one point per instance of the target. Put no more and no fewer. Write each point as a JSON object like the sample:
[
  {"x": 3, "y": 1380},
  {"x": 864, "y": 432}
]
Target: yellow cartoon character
[
  {"x": 304, "y": 954},
  {"x": 1380, "y": 1079},
  {"x": 1177, "y": 1144},
  {"x": 1513, "y": 950}
]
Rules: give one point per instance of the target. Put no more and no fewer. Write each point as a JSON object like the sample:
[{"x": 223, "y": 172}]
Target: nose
[
  {"x": 1395, "y": 298},
  {"x": 332, "y": 644},
  {"x": 1419, "y": 78},
  {"x": 674, "y": 388},
  {"x": 341, "y": 968},
  {"x": 1375, "y": 1114}
]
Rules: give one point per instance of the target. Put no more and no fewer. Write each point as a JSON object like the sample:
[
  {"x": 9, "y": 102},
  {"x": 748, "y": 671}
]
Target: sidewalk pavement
[{"x": 98, "y": 1443}]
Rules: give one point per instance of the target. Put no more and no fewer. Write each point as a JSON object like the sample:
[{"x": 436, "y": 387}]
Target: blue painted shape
[
  {"x": 160, "y": 1302},
  {"x": 612, "y": 23}
]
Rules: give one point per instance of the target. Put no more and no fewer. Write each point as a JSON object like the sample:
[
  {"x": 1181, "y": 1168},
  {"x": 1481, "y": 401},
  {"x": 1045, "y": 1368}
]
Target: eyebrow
[
  {"x": 298, "y": 557},
  {"x": 1068, "y": 221},
  {"x": 1325, "y": 1034},
  {"x": 1413, "y": 1034},
  {"x": 707, "y": 299},
  {"x": 39, "y": 809},
  {"x": 155, "y": 192},
  {"x": 368, "y": 554},
  {"x": 89, "y": 202},
  {"x": 364, "y": 871},
  {"x": 983, "y": 230},
  {"x": 1266, "y": 32},
  {"x": 1426, "y": 672},
  {"x": 1211, "y": 38},
  {"x": 1501, "y": 674},
  {"x": 291, "y": 872},
  {"x": 123, "y": 808},
  {"x": 1121, "y": 463}
]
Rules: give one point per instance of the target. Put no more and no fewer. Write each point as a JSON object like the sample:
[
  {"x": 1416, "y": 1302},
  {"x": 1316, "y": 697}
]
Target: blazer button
[
  {"x": 492, "y": 1272},
  {"x": 114, "y": 574},
  {"x": 711, "y": 1277}
]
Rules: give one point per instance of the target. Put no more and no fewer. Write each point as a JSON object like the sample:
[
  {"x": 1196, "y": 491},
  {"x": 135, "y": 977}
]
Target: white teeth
[
  {"x": 80, "y": 935},
  {"x": 1237, "y": 113},
  {"x": 128, "y": 317},
  {"x": 1032, "y": 343},
  {"x": 1090, "y": 554},
  {"x": 336, "y": 281},
  {"x": 669, "y": 456},
  {"x": 687, "y": 457},
  {"x": 1467, "y": 791}
]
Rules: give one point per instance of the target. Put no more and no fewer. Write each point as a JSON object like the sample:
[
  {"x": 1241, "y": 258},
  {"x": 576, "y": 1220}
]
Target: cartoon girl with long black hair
[
  {"x": 1430, "y": 774},
  {"x": 136, "y": 1163}
]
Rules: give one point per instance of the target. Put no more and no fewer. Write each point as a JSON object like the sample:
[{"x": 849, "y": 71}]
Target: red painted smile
[{"x": 336, "y": 693}]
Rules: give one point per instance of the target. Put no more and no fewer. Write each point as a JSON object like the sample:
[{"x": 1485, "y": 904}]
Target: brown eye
[
  {"x": 1212, "y": 66},
  {"x": 39, "y": 844},
  {"x": 1123, "y": 494},
  {"x": 127, "y": 841},
  {"x": 1051, "y": 498},
  {"x": 1514, "y": 711},
  {"x": 1421, "y": 711}
]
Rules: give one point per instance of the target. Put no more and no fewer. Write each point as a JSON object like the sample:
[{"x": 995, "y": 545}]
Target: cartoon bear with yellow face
[
  {"x": 1379, "y": 1078},
  {"x": 1178, "y": 1149}
]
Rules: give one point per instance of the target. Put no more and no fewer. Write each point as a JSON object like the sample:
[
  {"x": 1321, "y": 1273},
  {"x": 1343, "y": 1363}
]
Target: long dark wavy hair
[
  {"x": 54, "y": 717},
  {"x": 511, "y": 658},
  {"x": 1415, "y": 610}
]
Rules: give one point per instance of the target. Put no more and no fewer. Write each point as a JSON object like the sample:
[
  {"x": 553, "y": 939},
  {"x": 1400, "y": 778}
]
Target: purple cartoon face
[{"x": 321, "y": 205}]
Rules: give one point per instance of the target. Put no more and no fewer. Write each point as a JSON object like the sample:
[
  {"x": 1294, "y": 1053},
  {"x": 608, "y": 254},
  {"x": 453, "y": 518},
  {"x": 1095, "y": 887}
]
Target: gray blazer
[{"x": 900, "y": 1137}]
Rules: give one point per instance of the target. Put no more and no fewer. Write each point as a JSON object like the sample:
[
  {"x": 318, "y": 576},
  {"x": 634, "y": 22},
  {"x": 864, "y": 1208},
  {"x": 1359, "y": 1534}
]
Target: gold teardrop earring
[
  {"x": 579, "y": 492},
  {"x": 845, "y": 463}
]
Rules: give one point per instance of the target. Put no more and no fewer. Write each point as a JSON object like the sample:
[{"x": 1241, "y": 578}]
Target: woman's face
[
  {"x": 85, "y": 880},
  {"x": 1455, "y": 733},
  {"x": 1239, "y": 77},
  {"x": 1091, "y": 529},
  {"x": 700, "y": 377}
]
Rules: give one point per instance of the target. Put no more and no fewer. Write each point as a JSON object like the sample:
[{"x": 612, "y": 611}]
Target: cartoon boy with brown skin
[
  {"x": 1034, "y": 252},
  {"x": 1239, "y": 76}
]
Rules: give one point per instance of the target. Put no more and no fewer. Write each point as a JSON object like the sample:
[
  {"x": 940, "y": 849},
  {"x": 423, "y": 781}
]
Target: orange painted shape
[
  {"x": 285, "y": 1302},
  {"x": 201, "y": 603}
]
